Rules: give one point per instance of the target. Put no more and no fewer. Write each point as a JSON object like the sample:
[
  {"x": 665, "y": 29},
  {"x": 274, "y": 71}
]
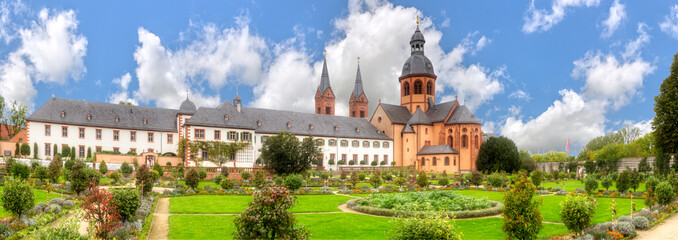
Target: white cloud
[
  {"x": 610, "y": 79},
  {"x": 514, "y": 110},
  {"x": 50, "y": 50},
  {"x": 670, "y": 23},
  {"x": 122, "y": 95},
  {"x": 572, "y": 117},
  {"x": 8, "y": 24},
  {"x": 645, "y": 126},
  {"x": 520, "y": 95},
  {"x": 542, "y": 20},
  {"x": 617, "y": 14}
]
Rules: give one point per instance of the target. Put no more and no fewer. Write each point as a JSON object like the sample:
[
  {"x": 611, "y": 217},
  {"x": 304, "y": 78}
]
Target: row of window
[
  {"x": 81, "y": 150},
  {"x": 232, "y": 135},
  {"x": 99, "y": 134},
  {"x": 354, "y": 143},
  {"x": 417, "y": 88},
  {"x": 434, "y": 161},
  {"x": 356, "y": 160}
]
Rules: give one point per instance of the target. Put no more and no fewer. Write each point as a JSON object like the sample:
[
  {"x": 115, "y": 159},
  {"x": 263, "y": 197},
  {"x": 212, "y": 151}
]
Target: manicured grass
[
  {"x": 202, "y": 184},
  {"x": 550, "y": 208},
  {"x": 338, "y": 226},
  {"x": 236, "y": 204},
  {"x": 571, "y": 185}
]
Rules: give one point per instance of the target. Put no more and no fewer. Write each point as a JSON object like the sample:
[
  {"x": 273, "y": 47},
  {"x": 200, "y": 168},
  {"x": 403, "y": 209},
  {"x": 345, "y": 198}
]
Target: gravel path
[
  {"x": 160, "y": 225},
  {"x": 667, "y": 230}
]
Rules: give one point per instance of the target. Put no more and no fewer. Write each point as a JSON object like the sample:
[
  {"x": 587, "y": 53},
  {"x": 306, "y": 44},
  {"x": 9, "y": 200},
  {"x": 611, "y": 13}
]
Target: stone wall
[
  {"x": 631, "y": 163},
  {"x": 8, "y": 147}
]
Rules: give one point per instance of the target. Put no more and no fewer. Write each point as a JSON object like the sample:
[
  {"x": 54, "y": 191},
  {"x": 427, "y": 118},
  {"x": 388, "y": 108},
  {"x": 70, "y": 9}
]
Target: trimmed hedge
[{"x": 496, "y": 208}]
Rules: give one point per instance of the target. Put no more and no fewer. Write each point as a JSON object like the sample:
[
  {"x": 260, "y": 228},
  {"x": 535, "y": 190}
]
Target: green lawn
[
  {"x": 337, "y": 226},
  {"x": 236, "y": 204},
  {"x": 203, "y": 183},
  {"x": 550, "y": 208},
  {"x": 571, "y": 185}
]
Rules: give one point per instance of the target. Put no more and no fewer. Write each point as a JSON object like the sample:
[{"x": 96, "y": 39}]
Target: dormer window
[
  {"x": 63, "y": 114},
  {"x": 145, "y": 121},
  {"x": 89, "y": 116},
  {"x": 289, "y": 124},
  {"x": 336, "y": 128},
  {"x": 310, "y": 126},
  {"x": 357, "y": 129},
  {"x": 259, "y": 123},
  {"x": 117, "y": 119},
  {"x": 226, "y": 117}
]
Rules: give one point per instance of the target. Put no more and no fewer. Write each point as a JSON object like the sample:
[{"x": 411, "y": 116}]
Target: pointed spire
[
  {"x": 358, "y": 87},
  {"x": 237, "y": 96},
  {"x": 324, "y": 77},
  {"x": 417, "y": 20}
]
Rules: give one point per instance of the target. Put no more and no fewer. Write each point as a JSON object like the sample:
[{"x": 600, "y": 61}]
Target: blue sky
[{"x": 537, "y": 72}]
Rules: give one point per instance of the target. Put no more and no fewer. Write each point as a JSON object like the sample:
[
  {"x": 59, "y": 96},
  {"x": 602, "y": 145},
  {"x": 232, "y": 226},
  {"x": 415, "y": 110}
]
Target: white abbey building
[{"x": 124, "y": 128}]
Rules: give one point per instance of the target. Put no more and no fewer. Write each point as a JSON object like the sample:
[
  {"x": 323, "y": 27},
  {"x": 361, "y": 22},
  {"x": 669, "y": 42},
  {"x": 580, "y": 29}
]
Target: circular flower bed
[{"x": 419, "y": 204}]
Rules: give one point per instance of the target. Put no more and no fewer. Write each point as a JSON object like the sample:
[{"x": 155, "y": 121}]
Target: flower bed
[{"x": 419, "y": 204}]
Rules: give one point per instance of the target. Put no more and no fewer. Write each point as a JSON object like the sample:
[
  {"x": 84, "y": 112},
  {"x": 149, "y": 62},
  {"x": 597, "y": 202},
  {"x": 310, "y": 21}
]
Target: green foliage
[
  {"x": 202, "y": 173},
  {"x": 217, "y": 179},
  {"x": 634, "y": 180},
  {"x": 219, "y": 152},
  {"x": 158, "y": 169},
  {"x": 643, "y": 166},
  {"x": 226, "y": 184},
  {"x": 259, "y": 178},
  {"x": 526, "y": 161},
  {"x": 41, "y": 173},
  {"x": 181, "y": 148},
  {"x": 443, "y": 181},
  {"x": 434, "y": 227},
  {"x": 21, "y": 171},
  {"x": 498, "y": 154},
  {"x": 293, "y": 181},
  {"x": 193, "y": 178},
  {"x": 400, "y": 181},
  {"x": 666, "y": 116},
  {"x": 577, "y": 212},
  {"x": 355, "y": 179},
  {"x": 17, "y": 197},
  {"x": 79, "y": 177},
  {"x": 607, "y": 182},
  {"x": 17, "y": 150},
  {"x": 268, "y": 217},
  {"x": 284, "y": 154},
  {"x": 590, "y": 184},
  {"x": 590, "y": 166},
  {"x": 145, "y": 180},
  {"x": 66, "y": 151},
  {"x": 126, "y": 202},
  {"x": 115, "y": 176},
  {"x": 624, "y": 181},
  {"x": 89, "y": 153},
  {"x": 552, "y": 156},
  {"x": 376, "y": 181},
  {"x": 422, "y": 179},
  {"x": 476, "y": 178},
  {"x": 651, "y": 182},
  {"x": 495, "y": 180},
  {"x": 69, "y": 164},
  {"x": 25, "y": 149},
  {"x": 661, "y": 163},
  {"x": 442, "y": 201},
  {"x": 665, "y": 193},
  {"x": 54, "y": 169},
  {"x": 537, "y": 177},
  {"x": 126, "y": 169},
  {"x": 35, "y": 150},
  {"x": 522, "y": 218},
  {"x": 103, "y": 169},
  {"x": 245, "y": 175}
]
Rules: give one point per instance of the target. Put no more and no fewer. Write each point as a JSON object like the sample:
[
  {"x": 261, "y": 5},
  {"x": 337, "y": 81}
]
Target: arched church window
[
  {"x": 429, "y": 88},
  {"x": 447, "y": 161},
  {"x": 406, "y": 89},
  {"x": 417, "y": 87},
  {"x": 450, "y": 141},
  {"x": 476, "y": 141},
  {"x": 423, "y": 161},
  {"x": 464, "y": 141},
  {"x": 435, "y": 161}
]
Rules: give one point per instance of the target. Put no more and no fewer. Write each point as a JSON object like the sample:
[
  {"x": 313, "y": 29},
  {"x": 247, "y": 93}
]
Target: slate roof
[
  {"x": 462, "y": 115},
  {"x": 103, "y": 115},
  {"x": 398, "y": 114},
  {"x": 187, "y": 107},
  {"x": 418, "y": 63},
  {"x": 436, "y": 149},
  {"x": 417, "y": 36},
  {"x": 358, "y": 87},
  {"x": 215, "y": 117},
  {"x": 324, "y": 78},
  {"x": 419, "y": 118},
  {"x": 438, "y": 112},
  {"x": 407, "y": 129}
]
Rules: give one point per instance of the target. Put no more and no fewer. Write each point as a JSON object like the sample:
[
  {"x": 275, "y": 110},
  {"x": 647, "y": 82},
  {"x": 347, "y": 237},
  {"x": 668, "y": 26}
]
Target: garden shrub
[
  {"x": 41, "y": 173},
  {"x": 522, "y": 218},
  {"x": 664, "y": 192},
  {"x": 259, "y": 179},
  {"x": 68, "y": 203},
  {"x": 145, "y": 208},
  {"x": 324, "y": 176},
  {"x": 5, "y": 230},
  {"x": 388, "y": 177},
  {"x": 268, "y": 217},
  {"x": 400, "y": 181},
  {"x": 79, "y": 178},
  {"x": 624, "y": 219},
  {"x": 159, "y": 169},
  {"x": 217, "y": 179},
  {"x": 278, "y": 180},
  {"x": 59, "y": 201},
  {"x": 577, "y": 212},
  {"x": 625, "y": 228},
  {"x": 443, "y": 181},
  {"x": 115, "y": 176},
  {"x": 17, "y": 197},
  {"x": 495, "y": 180},
  {"x": 607, "y": 182},
  {"x": 293, "y": 181},
  {"x": 55, "y": 169},
  {"x": 103, "y": 168},
  {"x": 647, "y": 214},
  {"x": 536, "y": 177},
  {"x": 434, "y": 227},
  {"x": 435, "y": 201},
  {"x": 21, "y": 171},
  {"x": 245, "y": 175},
  {"x": 54, "y": 208},
  {"x": 202, "y": 174},
  {"x": 641, "y": 223},
  {"x": 69, "y": 163},
  {"x": 624, "y": 181},
  {"x": 422, "y": 179},
  {"x": 354, "y": 178},
  {"x": 376, "y": 181},
  {"x": 226, "y": 184},
  {"x": 100, "y": 211},
  {"x": 362, "y": 176},
  {"x": 127, "y": 202},
  {"x": 40, "y": 207},
  {"x": 476, "y": 178},
  {"x": 193, "y": 178},
  {"x": 591, "y": 185},
  {"x": 67, "y": 230},
  {"x": 343, "y": 175},
  {"x": 651, "y": 182},
  {"x": 126, "y": 169},
  {"x": 374, "y": 163}
]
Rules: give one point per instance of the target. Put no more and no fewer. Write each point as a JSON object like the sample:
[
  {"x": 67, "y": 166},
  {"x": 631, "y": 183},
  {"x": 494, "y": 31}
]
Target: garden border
[{"x": 496, "y": 208}]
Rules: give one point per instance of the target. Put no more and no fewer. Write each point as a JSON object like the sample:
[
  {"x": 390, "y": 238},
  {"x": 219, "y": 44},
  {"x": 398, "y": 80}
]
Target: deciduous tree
[
  {"x": 666, "y": 116},
  {"x": 498, "y": 154},
  {"x": 284, "y": 154},
  {"x": 268, "y": 217}
]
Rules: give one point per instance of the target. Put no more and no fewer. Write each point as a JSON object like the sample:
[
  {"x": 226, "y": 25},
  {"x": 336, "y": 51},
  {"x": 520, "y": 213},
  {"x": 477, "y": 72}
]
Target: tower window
[
  {"x": 362, "y": 114},
  {"x": 429, "y": 88},
  {"x": 328, "y": 110},
  {"x": 464, "y": 141},
  {"x": 417, "y": 87},
  {"x": 406, "y": 89}
]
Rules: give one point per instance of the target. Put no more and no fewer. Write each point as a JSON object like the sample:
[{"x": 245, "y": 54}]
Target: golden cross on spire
[
  {"x": 358, "y": 60},
  {"x": 417, "y": 19},
  {"x": 324, "y": 52}
]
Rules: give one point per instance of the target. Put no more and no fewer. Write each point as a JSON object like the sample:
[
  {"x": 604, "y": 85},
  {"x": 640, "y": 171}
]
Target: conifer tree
[{"x": 666, "y": 116}]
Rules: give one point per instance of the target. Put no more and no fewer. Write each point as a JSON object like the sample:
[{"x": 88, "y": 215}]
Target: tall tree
[
  {"x": 665, "y": 123},
  {"x": 498, "y": 154},
  {"x": 284, "y": 154},
  {"x": 16, "y": 118}
]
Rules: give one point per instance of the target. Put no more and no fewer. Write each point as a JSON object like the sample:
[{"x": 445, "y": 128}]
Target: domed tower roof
[
  {"x": 187, "y": 107},
  {"x": 417, "y": 63}
]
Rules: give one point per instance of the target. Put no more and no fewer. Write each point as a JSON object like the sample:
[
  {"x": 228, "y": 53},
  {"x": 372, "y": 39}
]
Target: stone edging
[{"x": 496, "y": 208}]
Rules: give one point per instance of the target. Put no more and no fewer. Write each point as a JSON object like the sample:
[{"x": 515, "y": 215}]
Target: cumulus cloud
[
  {"x": 616, "y": 80},
  {"x": 122, "y": 95},
  {"x": 617, "y": 14},
  {"x": 645, "y": 126},
  {"x": 542, "y": 20},
  {"x": 520, "y": 95},
  {"x": 670, "y": 23},
  {"x": 50, "y": 50}
]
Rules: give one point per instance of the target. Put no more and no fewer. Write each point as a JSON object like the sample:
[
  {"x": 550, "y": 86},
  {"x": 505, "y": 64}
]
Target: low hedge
[{"x": 496, "y": 208}]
